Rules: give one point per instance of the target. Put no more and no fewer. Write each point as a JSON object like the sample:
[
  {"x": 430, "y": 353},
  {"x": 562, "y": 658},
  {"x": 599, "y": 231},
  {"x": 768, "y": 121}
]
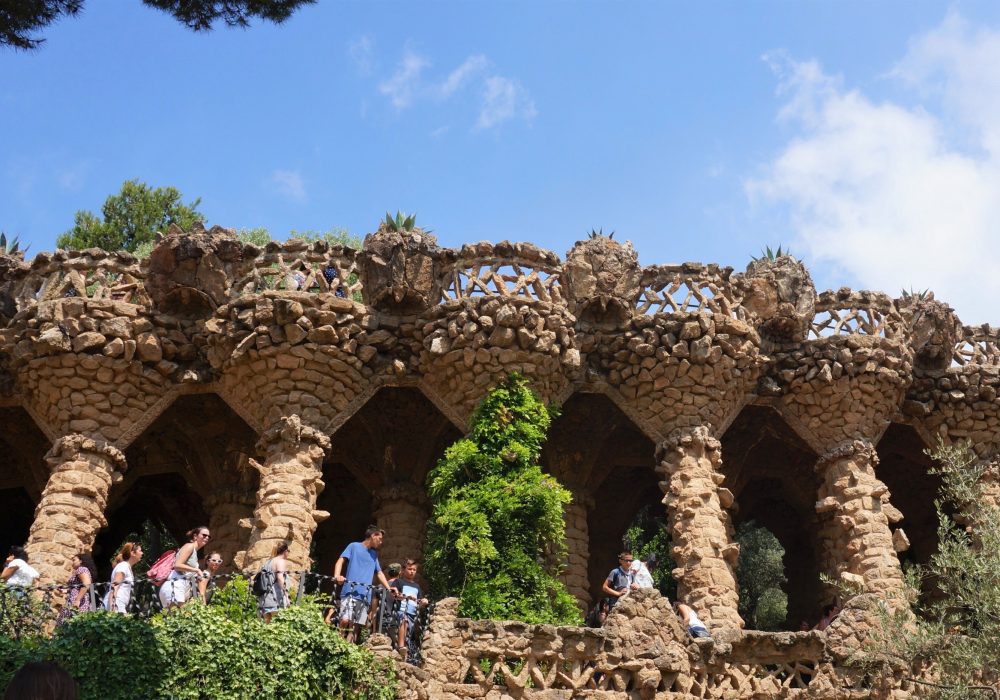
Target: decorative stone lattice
[{"x": 297, "y": 337}]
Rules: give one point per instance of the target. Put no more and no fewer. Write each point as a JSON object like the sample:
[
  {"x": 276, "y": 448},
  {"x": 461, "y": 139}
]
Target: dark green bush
[{"x": 212, "y": 651}]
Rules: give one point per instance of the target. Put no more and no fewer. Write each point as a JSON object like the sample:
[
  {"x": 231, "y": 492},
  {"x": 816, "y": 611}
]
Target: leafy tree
[
  {"x": 497, "y": 516},
  {"x": 19, "y": 19},
  {"x": 950, "y": 645},
  {"x": 130, "y": 218},
  {"x": 647, "y": 535},
  {"x": 763, "y": 602}
]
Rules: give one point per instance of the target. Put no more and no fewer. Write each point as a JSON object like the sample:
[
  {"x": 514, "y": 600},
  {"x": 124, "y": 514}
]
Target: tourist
[
  {"x": 80, "y": 581},
  {"x": 207, "y": 584},
  {"x": 355, "y": 593},
  {"x": 17, "y": 573},
  {"x": 830, "y": 613},
  {"x": 42, "y": 680},
  {"x": 410, "y": 601},
  {"x": 695, "y": 627},
  {"x": 122, "y": 579},
  {"x": 392, "y": 571},
  {"x": 617, "y": 584},
  {"x": 176, "y": 590},
  {"x": 275, "y": 573},
  {"x": 641, "y": 571}
]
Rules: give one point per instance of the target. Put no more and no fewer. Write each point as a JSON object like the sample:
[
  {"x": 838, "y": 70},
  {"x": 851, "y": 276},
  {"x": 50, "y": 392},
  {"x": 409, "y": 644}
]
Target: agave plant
[
  {"x": 401, "y": 222},
  {"x": 599, "y": 233},
  {"x": 11, "y": 247},
  {"x": 768, "y": 254},
  {"x": 919, "y": 294}
]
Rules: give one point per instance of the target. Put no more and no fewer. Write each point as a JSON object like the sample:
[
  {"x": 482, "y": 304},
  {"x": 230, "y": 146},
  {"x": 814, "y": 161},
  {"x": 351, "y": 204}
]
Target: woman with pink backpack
[{"x": 176, "y": 590}]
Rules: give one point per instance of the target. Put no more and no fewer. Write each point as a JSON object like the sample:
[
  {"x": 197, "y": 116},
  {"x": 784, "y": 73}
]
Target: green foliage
[
  {"x": 955, "y": 633},
  {"x": 130, "y": 218},
  {"x": 497, "y": 524},
  {"x": 11, "y": 247},
  {"x": 599, "y": 233},
  {"x": 21, "y": 19},
  {"x": 647, "y": 535},
  {"x": 912, "y": 293},
  {"x": 335, "y": 236},
  {"x": 235, "y": 600},
  {"x": 22, "y": 615},
  {"x": 761, "y": 571},
  {"x": 401, "y": 222},
  {"x": 207, "y": 652},
  {"x": 259, "y": 236},
  {"x": 768, "y": 254}
]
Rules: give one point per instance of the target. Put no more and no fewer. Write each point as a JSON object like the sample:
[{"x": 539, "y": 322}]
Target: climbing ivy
[{"x": 496, "y": 536}]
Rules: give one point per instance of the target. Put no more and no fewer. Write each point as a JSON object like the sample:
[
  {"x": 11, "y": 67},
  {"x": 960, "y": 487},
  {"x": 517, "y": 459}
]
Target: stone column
[
  {"x": 575, "y": 575},
  {"x": 71, "y": 510},
  {"x": 701, "y": 532},
  {"x": 227, "y": 507},
  {"x": 854, "y": 515},
  {"x": 290, "y": 480},
  {"x": 401, "y": 510}
]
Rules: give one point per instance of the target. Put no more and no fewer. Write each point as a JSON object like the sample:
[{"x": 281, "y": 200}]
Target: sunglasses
[
  {"x": 214, "y": 561},
  {"x": 205, "y": 535}
]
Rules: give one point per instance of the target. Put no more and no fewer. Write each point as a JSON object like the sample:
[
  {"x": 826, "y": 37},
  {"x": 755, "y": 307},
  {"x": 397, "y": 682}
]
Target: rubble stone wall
[{"x": 296, "y": 338}]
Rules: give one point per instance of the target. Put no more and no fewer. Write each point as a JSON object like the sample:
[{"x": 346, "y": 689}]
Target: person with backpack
[
  {"x": 176, "y": 590},
  {"x": 270, "y": 585},
  {"x": 618, "y": 583},
  {"x": 356, "y": 590}
]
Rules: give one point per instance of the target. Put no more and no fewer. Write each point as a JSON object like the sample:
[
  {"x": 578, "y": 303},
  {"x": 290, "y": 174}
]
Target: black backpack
[{"x": 262, "y": 582}]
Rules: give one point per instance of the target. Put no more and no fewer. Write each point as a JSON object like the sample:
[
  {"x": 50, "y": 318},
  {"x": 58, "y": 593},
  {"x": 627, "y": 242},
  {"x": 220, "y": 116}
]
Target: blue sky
[{"x": 864, "y": 135}]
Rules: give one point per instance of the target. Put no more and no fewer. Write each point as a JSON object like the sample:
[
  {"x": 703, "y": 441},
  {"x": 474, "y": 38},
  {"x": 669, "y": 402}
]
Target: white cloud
[
  {"x": 500, "y": 98},
  {"x": 461, "y": 75},
  {"x": 895, "y": 195},
  {"x": 289, "y": 184},
  {"x": 362, "y": 53},
  {"x": 504, "y": 99},
  {"x": 404, "y": 85}
]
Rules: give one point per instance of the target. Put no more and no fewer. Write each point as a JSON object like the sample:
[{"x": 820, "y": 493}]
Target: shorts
[
  {"x": 410, "y": 618},
  {"x": 699, "y": 633},
  {"x": 174, "y": 591},
  {"x": 354, "y": 609}
]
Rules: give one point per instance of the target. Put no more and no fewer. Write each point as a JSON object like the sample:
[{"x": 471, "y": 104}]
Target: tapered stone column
[
  {"x": 578, "y": 548},
  {"x": 854, "y": 516},
  {"x": 71, "y": 510},
  {"x": 290, "y": 480},
  {"x": 700, "y": 528},
  {"x": 402, "y": 511},
  {"x": 227, "y": 507}
]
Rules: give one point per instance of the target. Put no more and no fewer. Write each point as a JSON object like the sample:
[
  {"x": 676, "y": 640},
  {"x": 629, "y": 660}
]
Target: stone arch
[
  {"x": 375, "y": 472},
  {"x": 905, "y": 469},
  {"x": 771, "y": 473},
  {"x": 606, "y": 460},
  {"x": 189, "y": 467}
]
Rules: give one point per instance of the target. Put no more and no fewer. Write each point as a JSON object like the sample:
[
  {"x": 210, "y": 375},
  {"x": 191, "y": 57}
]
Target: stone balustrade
[{"x": 85, "y": 274}]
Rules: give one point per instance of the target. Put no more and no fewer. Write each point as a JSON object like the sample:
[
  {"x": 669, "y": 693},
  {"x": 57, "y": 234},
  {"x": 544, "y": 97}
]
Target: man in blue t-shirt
[{"x": 356, "y": 592}]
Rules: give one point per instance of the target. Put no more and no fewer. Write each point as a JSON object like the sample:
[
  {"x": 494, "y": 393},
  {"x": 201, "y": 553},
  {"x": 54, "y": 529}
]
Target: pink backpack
[{"x": 162, "y": 567}]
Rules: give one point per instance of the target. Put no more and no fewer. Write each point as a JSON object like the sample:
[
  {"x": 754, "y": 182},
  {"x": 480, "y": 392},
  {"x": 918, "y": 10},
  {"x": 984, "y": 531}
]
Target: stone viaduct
[{"x": 304, "y": 390}]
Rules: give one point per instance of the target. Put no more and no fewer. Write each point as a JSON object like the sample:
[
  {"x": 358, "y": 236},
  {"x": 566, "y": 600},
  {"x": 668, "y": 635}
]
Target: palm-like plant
[
  {"x": 401, "y": 222},
  {"x": 11, "y": 247},
  {"x": 768, "y": 254}
]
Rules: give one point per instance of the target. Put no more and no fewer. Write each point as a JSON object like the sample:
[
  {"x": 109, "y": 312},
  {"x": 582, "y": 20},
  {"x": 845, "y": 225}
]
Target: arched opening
[
  {"x": 375, "y": 474},
  {"x": 185, "y": 470},
  {"x": 17, "y": 510},
  {"x": 771, "y": 473},
  {"x": 905, "y": 469},
  {"x": 599, "y": 454},
  {"x": 23, "y": 473}
]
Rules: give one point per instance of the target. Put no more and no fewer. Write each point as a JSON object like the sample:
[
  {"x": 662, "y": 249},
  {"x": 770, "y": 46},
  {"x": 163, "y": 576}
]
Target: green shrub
[
  {"x": 497, "y": 532},
  {"x": 207, "y": 651}
]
